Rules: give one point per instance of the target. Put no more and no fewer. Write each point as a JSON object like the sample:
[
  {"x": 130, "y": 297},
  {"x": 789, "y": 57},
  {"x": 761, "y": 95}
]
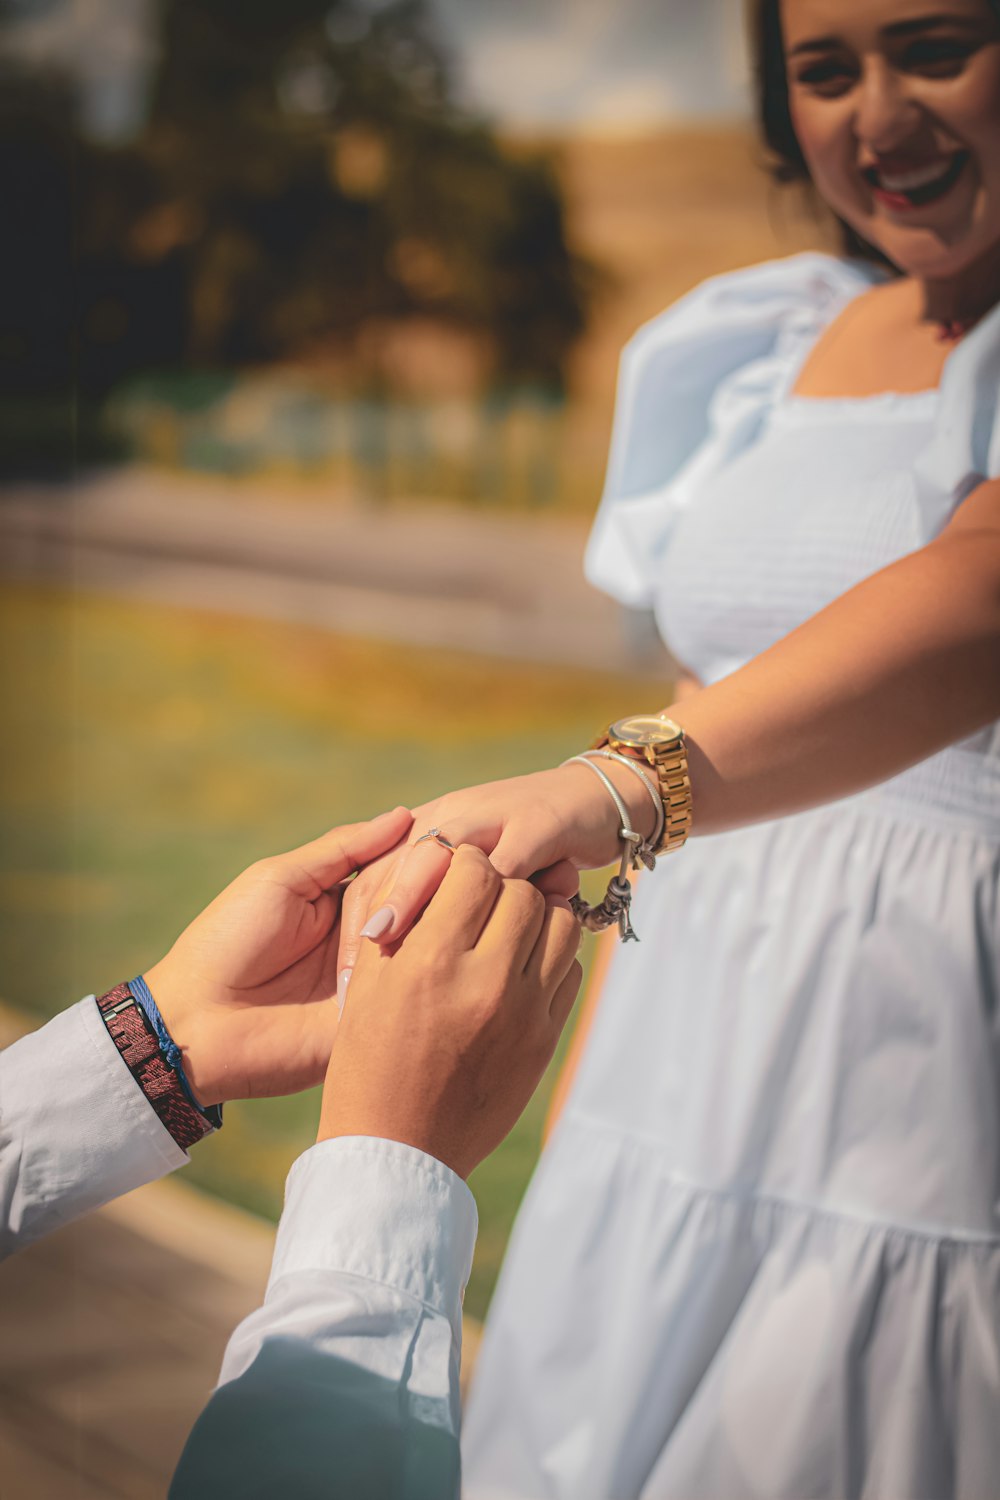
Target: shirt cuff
[
  {"x": 379, "y": 1209},
  {"x": 77, "y": 1129}
]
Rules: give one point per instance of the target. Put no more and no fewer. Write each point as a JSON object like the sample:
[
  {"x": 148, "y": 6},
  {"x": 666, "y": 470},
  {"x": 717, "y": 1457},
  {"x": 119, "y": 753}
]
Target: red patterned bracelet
[{"x": 132, "y": 1033}]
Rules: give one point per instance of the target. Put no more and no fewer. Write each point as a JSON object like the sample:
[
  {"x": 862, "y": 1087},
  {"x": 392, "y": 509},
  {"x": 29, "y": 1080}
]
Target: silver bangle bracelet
[
  {"x": 618, "y": 897},
  {"x": 627, "y": 833},
  {"x": 623, "y": 760}
]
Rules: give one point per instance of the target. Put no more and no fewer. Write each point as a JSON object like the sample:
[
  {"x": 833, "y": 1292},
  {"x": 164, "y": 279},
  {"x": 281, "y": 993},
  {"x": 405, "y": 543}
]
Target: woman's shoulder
[
  {"x": 809, "y": 285},
  {"x": 717, "y": 357},
  {"x": 693, "y": 387}
]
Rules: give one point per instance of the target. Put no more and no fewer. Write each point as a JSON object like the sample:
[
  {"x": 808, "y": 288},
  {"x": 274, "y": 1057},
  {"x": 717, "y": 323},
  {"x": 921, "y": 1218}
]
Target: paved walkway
[
  {"x": 111, "y": 1337},
  {"x": 498, "y": 584}
]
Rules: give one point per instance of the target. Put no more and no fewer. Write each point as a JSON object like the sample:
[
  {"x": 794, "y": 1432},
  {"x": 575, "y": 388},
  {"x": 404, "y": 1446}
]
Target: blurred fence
[{"x": 508, "y": 449}]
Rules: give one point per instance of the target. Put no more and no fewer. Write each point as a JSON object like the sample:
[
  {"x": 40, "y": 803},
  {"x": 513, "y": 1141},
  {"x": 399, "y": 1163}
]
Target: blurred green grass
[{"x": 147, "y": 755}]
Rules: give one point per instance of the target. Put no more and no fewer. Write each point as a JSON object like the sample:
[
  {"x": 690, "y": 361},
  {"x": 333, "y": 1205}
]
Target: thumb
[{"x": 336, "y": 855}]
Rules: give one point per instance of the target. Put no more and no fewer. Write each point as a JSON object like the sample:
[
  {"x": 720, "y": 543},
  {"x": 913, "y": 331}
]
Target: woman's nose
[{"x": 885, "y": 114}]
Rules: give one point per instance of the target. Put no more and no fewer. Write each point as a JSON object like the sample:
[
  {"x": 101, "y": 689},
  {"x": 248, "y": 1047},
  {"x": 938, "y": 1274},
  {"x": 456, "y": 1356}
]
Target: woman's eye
[
  {"x": 938, "y": 57},
  {"x": 830, "y": 76}
]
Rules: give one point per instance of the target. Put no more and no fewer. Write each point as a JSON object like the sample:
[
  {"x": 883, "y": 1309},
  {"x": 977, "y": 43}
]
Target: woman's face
[{"x": 896, "y": 105}]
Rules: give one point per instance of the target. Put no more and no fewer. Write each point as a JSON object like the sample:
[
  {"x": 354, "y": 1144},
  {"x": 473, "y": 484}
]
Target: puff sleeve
[
  {"x": 965, "y": 446},
  {"x": 694, "y": 387}
]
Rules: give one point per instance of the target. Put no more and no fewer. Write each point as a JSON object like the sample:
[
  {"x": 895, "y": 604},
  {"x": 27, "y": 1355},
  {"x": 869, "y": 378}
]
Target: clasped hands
[{"x": 443, "y": 1037}]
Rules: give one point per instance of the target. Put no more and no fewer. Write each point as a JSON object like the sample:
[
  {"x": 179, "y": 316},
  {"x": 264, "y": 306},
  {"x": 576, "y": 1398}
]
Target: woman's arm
[
  {"x": 900, "y": 666},
  {"x": 686, "y": 685}
]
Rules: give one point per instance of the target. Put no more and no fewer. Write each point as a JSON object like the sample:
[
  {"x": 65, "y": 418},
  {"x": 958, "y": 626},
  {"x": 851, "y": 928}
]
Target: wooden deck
[{"x": 111, "y": 1336}]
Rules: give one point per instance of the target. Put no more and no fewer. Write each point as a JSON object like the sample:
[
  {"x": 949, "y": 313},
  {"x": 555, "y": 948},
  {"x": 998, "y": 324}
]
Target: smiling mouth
[{"x": 915, "y": 186}]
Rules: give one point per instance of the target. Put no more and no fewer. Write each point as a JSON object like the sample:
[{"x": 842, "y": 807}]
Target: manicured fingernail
[
  {"x": 378, "y": 925},
  {"x": 343, "y": 980}
]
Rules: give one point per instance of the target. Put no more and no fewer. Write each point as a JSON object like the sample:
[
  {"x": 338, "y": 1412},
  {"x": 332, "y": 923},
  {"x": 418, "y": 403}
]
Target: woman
[{"x": 761, "y": 1255}]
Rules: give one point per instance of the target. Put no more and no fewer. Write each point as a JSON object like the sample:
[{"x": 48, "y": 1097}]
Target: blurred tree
[
  {"x": 303, "y": 174},
  {"x": 37, "y": 301}
]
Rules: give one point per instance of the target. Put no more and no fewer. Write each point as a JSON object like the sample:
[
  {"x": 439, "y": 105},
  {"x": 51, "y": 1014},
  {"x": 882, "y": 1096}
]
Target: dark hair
[{"x": 774, "y": 117}]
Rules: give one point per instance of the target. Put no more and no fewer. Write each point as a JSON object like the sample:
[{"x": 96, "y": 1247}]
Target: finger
[
  {"x": 361, "y": 897},
  {"x": 525, "y": 847},
  {"x": 316, "y": 920},
  {"x": 328, "y": 860},
  {"x": 462, "y": 905},
  {"x": 562, "y": 879},
  {"x": 565, "y": 996},
  {"x": 421, "y": 869},
  {"x": 555, "y": 948},
  {"x": 511, "y": 933}
]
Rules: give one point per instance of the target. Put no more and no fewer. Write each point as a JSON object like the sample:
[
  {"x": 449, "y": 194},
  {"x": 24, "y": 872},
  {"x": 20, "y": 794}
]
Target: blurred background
[{"x": 309, "y": 323}]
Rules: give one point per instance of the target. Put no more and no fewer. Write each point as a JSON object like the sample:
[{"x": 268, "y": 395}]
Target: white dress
[{"x": 761, "y": 1255}]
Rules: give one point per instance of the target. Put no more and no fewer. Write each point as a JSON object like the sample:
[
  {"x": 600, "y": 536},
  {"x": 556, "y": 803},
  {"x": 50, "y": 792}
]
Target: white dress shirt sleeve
[
  {"x": 75, "y": 1128},
  {"x": 345, "y": 1382}
]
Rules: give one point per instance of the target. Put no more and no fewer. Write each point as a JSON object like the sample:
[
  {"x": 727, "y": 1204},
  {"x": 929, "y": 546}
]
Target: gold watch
[{"x": 659, "y": 742}]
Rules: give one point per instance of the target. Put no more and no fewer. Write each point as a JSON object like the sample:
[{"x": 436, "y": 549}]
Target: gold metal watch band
[
  {"x": 670, "y": 763},
  {"x": 671, "y": 766}
]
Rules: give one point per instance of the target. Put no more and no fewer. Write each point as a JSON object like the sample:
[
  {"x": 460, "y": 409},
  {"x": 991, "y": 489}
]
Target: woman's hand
[
  {"x": 545, "y": 826},
  {"x": 248, "y": 991},
  {"x": 445, "y": 1036}
]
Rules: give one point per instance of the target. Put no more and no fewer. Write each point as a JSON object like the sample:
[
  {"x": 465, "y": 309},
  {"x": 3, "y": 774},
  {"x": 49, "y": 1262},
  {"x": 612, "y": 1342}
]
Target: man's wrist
[
  {"x": 338, "y": 1123},
  {"x": 180, "y": 1016}
]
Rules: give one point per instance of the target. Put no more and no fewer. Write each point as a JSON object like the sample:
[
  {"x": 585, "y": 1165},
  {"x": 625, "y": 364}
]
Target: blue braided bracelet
[{"x": 171, "y": 1052}]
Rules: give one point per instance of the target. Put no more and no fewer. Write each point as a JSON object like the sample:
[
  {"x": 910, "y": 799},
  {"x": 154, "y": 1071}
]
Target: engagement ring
[{"x": 438, "y": 838}]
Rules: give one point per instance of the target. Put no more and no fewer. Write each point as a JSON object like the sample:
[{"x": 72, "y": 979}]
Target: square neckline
[{"x": 910, "y": 403}]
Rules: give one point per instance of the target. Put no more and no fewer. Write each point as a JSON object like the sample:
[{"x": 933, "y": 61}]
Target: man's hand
[
  {"x": 445, "y": 1036},
  {"x": 248, "y": 991}
]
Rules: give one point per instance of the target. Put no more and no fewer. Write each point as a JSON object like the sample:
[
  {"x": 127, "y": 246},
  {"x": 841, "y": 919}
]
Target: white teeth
[{"x": 906, "y": 182}]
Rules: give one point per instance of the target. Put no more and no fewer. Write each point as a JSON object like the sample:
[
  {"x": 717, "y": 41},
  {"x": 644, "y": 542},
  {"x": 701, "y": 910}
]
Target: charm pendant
[
  {"x": 620, "y": 896},
  {"x": 613, "y": 909},
  {"x": 615, "y": 906}
]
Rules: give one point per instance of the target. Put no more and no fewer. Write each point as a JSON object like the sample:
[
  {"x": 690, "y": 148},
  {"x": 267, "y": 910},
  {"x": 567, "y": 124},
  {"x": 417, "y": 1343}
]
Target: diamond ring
[{"x": 438, "y": 838}]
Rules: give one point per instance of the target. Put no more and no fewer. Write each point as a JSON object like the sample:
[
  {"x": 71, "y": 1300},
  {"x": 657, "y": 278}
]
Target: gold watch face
[{"x": 641, "y": 730}]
